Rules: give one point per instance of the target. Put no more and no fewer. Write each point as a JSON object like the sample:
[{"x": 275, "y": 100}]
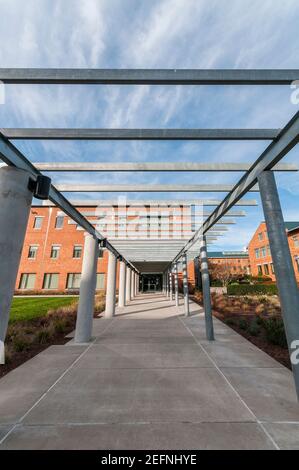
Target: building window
[
  {"x": 73, "y": 281},
  {"x": 260, "y": 236},
  {"x": 101, "y": 252},
  {"x": 38, "y": 222},
  {"x": 268, "y": 250},
  {"x": 51, "y": 281},
  {"x": 100, "y": 281},
  {"x": 259, "y": 270},
  {"x": 263, "y": 252},
  {"x": 27, "y": 281},
  {"x": 272, "y": 268},
  {"x": 77, "y": 251},
  {"x": 296, "y": 258},
  {"x": 257, "y": 252},
  {"x": 59, "y": 221},
  {"x": 266, "y": 269},
  {"x": 296, "y": 241},
  {"x": 32, "y": 252},
  {"x": 55, "y": 250}
]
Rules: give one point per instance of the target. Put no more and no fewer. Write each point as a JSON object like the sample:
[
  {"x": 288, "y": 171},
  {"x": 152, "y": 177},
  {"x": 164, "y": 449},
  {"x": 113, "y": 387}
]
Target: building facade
[
  {"x": 52, "y": 254},
  {"x": 260, "y": 254},
  {"x": 234, "y": 263}
]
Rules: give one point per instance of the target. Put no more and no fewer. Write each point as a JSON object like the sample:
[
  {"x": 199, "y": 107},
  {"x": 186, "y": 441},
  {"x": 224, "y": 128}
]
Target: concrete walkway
[{"x": 150, "y": 380}]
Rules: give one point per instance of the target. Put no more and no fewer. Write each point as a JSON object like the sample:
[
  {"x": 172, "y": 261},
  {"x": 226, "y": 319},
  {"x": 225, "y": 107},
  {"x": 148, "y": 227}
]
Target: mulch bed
[
  {"x": 278, "y": 353},
  {"x": 20, "y": 357}
]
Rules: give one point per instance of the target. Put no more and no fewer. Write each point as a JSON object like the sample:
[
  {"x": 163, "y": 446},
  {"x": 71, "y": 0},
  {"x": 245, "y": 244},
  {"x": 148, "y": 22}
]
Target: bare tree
[{"x": 223, "y": 272}]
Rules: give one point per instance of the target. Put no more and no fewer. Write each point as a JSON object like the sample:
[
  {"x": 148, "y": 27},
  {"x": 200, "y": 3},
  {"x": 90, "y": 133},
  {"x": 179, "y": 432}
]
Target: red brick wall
[
  {"x": 47, "y": 236},
  {"x": 66, "y": 237},
  {"x": 256, "y": 243},
  {"x": 239, "y": 266}
]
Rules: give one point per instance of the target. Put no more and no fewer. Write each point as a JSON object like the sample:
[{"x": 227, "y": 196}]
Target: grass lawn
[{"x": 34, "y": 307}]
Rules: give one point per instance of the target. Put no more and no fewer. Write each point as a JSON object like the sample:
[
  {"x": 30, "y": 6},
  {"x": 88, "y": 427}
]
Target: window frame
[
  {"x": 50, "y": 276},
  {"x": 77, "y": 247},
  {"x": 26, "y": 281},
  {"x": 38, "y": 217},
  {"x": 35, "y": 252}
]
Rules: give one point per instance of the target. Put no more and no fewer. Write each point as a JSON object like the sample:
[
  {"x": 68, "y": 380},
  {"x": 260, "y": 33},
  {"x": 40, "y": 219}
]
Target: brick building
[
  {"x": 237, "y": 262},
  {"x": 260, "y": 255}
]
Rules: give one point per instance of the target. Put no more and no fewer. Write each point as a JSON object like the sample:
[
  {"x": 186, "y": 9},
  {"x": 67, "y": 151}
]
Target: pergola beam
[
  {"x": 138, "y": 134},
  {"x": 144, "y": 188},
  {"x": 159, "y": 203},
  {"x": 79, "y": 76}
]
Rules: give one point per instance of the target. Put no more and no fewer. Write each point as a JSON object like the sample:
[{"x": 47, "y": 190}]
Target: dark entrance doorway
[{"x": 151, "y": 282}]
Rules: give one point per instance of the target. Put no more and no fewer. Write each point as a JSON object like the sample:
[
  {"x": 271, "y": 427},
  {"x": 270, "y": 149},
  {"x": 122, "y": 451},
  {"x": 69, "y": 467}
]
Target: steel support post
[
  {"x": 170, "y": 284},
  {"x": 132, "y": 284},
  {"x": 128, "y": 284},
  {"x": 166, "y": 274},
  {"x": 111, "y": 286},
  {"x": 176, "y": 284},
  {"x": 15, "y": 203},
  {"x": 185, "y": 286},
  {"x": 83, "y": 332},
  {"x": 283, "y": 266},
  {"x": 122, "y": 284},
  {"x": 206, "y": 289}
]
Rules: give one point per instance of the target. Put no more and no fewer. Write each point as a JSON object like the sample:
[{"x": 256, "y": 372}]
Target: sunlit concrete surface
[{"x": 150, "y": 380}]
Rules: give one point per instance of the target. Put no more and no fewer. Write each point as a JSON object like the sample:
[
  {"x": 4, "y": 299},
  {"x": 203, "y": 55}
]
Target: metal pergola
[{"x": 257, "y": 176}]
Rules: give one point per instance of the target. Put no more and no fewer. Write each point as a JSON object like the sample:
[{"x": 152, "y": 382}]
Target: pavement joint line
[
  {"x": 130, "y": 423},
  {"x": 232, "y": 387},
  {"x": 53, "y": 385}
]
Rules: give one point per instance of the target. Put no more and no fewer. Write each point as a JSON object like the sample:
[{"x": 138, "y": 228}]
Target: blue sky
[{"x": 153, "y": 34}]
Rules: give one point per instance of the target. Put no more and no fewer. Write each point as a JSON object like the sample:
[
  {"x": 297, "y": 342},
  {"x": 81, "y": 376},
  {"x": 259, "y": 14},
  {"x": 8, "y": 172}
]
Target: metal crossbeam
[
  {"x": 149, "y": 76},
  {"x": 287, "y": 139},
  {"x": 159, "y": 203},
  {"x": 143, "y": 188},
  {"x": 154, "y": 166},
  {"x": 139, "y": 134}
]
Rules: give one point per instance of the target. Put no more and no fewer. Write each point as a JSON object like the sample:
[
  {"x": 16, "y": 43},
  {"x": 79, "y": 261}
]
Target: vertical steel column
[
  {"x": 15, "y": 203},
  {"x": 206, "y": 290},
  {"x": 166, "y": 283},
  {"x": 176, "y": 283},
  {"x": 185, "y": 285},
  {"x": 122, "y": 284},
  {"x": 111, "y": 286},
  {"x": 83, "y": 332},
  {"x": 128, "y": 284},
  {"x": 282, "y": 262},
  {"x": 132, "y": 284}
]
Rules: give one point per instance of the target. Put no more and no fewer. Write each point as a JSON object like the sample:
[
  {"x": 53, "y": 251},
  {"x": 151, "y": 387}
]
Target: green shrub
[
  {"x": 247, "y": 289},
  {"x": 254, "y": 328},
  {"x": 261, "y": 279},
  {"x": 216, "y": 283},
  {"x": 275, "y": 333},
  {"x": 230, "y": 321}
]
